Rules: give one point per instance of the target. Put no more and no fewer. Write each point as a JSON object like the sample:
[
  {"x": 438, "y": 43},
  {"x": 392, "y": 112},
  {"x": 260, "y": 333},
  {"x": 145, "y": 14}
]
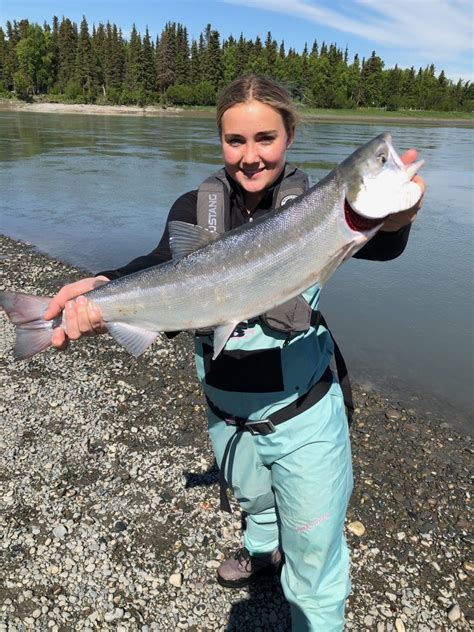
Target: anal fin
[
  {"x": 136, "y": 340},
  {"x": 221, "y": 336}
]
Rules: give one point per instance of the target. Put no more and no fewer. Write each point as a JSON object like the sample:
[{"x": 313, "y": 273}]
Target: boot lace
[{"x": 244, "y": 559}]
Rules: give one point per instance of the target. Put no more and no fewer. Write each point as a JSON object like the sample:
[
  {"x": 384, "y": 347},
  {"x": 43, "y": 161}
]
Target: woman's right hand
[{"x": 82, "y": 316}]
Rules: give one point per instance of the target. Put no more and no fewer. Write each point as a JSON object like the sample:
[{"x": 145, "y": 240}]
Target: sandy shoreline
[
  {"x": 80, "y": 108},
  {"x": 129, "y": 110},
  {"x": 110, "y": 497}
]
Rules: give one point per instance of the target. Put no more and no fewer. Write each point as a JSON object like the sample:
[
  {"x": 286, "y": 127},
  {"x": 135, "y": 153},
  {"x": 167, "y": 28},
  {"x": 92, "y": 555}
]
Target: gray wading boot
[{"x": 242, "y": 568}]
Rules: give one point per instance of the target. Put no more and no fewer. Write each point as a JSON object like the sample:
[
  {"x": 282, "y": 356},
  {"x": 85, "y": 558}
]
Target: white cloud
[{"x": 433, "y": 29}]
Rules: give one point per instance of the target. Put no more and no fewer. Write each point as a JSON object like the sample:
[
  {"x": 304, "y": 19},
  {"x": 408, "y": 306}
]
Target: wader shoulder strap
[
  {"x": 295, "y": 183},
  {"x": 213, "y": 203},
  {"x": 318, "y": 319}
]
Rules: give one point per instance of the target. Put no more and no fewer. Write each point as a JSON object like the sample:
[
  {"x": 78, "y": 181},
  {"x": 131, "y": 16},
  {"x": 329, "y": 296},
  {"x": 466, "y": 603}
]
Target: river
[{"x": 95, "y": 191}]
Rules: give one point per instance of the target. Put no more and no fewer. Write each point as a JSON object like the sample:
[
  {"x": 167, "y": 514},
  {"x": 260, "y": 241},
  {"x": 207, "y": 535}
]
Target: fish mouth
[{"x": 356, "y": 222}]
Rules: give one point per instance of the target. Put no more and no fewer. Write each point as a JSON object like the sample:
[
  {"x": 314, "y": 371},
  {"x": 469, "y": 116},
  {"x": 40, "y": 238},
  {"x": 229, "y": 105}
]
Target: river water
[{"x": 95, "y": 191}]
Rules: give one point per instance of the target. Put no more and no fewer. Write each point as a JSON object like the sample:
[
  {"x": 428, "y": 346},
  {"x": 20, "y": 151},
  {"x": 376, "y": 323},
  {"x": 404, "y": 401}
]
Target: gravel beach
[{"x": 109, "y": 495}]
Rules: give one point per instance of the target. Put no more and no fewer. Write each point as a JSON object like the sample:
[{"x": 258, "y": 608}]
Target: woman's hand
[
  {"x": 82, "y": 317},
  {"x": 398, "y": 220}
]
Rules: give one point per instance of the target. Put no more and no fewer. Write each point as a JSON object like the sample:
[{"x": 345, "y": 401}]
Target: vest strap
[
  {"x": 213, "y": 202},
  {"x": 342, "y": 374}
]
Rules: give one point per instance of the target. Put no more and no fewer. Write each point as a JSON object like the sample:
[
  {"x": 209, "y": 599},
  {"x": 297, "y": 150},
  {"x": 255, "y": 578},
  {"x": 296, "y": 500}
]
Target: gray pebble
[
  {"x": 60, "y": 532},
  {"x": 454, "y": 613}
]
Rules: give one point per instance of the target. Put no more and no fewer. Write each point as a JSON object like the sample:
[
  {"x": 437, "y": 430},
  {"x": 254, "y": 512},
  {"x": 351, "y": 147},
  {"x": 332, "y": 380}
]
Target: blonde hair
[{"x": 258, "y": 88}]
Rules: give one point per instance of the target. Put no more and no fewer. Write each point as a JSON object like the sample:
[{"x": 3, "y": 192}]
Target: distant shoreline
[
  {"x": 89, "y": 108},
  {"x": 155, "y": 110}
]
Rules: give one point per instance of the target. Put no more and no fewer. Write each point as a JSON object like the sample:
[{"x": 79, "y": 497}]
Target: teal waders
[{"x": 290, "y": 467}]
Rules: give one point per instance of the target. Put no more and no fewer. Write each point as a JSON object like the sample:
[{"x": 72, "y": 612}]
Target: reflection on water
[{"x": 95, "y": 191}]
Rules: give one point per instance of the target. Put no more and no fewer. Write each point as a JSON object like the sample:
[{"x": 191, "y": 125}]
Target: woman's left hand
[{"x": 398, "y": 220}]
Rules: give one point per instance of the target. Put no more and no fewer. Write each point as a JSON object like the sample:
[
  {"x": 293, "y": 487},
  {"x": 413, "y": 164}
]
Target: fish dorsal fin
[
  {"x": 186, "y": 238},
  {"x": 135, "y": 339},
  {"x": 221, "y": 336}
]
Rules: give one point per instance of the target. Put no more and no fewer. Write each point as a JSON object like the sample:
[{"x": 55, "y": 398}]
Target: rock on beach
[{"x": 109, "y": 489}]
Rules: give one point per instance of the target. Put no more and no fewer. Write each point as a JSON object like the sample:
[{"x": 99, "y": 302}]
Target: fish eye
[{"x": 382, "y": 158}]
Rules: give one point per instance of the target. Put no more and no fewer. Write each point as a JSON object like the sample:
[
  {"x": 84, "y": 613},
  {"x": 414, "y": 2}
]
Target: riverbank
[
  {"x": 82, "y": 108},
  {"x": 110, "y": 497},
  {"x": 348, "y": 116}
]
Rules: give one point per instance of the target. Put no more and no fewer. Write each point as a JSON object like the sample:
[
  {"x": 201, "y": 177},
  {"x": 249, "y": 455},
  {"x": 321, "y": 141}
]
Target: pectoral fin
[
  {"x": 134, "y": 339},
  {"x": 334, "y": 262},
  {"x": 186, "y": 238}
]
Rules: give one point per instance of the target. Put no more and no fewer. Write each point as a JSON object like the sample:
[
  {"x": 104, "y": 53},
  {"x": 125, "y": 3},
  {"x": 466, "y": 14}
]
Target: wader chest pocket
[{"x": 244, "y": 371}]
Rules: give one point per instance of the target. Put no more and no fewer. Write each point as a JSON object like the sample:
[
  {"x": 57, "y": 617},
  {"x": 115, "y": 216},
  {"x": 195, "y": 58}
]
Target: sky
[{"x": 404, "y": 32}]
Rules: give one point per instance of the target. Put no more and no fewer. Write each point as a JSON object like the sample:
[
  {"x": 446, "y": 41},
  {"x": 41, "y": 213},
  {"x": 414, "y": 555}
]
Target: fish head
[{"x": 378, "y": 183}]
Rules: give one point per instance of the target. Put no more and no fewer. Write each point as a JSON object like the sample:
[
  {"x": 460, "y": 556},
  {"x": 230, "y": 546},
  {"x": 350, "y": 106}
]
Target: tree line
[{"x": 71, "y": 63}]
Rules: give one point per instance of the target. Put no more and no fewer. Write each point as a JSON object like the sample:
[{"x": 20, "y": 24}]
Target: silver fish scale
[{"x": 241, "y": 275}]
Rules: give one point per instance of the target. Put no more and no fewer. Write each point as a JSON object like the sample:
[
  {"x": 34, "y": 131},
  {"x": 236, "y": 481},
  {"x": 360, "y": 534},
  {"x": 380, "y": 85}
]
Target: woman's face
[{"x": 254, "y": 143}]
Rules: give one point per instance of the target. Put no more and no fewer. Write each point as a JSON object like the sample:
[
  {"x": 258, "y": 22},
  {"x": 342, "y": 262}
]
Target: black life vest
[{"x": 213, "y": 213}]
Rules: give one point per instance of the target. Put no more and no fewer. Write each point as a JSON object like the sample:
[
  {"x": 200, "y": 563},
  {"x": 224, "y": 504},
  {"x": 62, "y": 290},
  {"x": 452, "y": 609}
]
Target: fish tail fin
[{"x": 33, "y": 333}]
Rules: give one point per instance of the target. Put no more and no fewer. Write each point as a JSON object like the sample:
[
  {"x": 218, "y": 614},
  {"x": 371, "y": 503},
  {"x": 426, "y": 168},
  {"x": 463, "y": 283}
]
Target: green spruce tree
[
  {"x": 182, "y": 55},
  {"x": 166, "y": 58},
  {"x": 212, "y": 69},
  {"x": 67, "y": 45},
  {"x": 99, "y": 56},
  {"x": 241, "y": 56},
  {"x": 371, "y": 77},
  {"x": 10, "y": 60},
  {"x": 270, "y": 55},
  {"x": 195, "y": 64},
  {"x": 149, "y": 67},
  {"x": 84, "y": 65}
]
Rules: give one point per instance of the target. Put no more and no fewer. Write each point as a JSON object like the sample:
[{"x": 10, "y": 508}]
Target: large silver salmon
[{"x": 219, "y": 280}]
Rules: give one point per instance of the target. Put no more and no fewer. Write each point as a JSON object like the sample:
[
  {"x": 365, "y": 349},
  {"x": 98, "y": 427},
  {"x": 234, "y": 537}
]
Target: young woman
[{"x": 276, "y": 415}]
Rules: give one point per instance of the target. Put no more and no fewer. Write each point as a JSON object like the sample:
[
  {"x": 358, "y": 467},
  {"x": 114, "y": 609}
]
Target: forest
[{"x": 69, "y": 63}]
